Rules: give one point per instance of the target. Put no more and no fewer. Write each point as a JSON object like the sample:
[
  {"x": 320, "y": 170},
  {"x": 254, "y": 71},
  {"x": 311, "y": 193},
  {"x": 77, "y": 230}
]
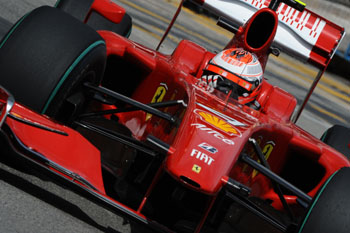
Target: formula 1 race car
[{"x": 159, "y": 141}]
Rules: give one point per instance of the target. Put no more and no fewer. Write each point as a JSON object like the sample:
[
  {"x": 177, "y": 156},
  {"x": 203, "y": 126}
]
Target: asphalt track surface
[{"x": 32, "y": 204}]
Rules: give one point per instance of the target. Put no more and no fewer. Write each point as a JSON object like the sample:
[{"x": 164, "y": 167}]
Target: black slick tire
[
  {"x": 329, "y": 211},
  {"x": 338, "y": 137},
  {"x": 46, "y": 56}
]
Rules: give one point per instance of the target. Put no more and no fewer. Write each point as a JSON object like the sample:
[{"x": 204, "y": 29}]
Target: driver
[{"x": 237, "y": 73}]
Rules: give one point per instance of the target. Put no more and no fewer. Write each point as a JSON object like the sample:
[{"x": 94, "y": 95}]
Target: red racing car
[{"x": 188, "y": 142}]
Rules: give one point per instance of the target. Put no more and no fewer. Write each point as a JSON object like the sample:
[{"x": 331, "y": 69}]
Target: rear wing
[{"x": 303, "y": 35}]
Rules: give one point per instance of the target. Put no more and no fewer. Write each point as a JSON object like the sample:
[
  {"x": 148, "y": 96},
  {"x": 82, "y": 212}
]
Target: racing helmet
[{"x": 236, "y": 72}]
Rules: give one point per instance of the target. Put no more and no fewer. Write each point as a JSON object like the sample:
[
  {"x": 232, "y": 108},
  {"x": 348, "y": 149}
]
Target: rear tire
[
  {"x": 330, "y": 209},
  {"x": 46, "y": 56},
  {"x": 80, "y": 8},
  {"x": 338, "y": 137}
]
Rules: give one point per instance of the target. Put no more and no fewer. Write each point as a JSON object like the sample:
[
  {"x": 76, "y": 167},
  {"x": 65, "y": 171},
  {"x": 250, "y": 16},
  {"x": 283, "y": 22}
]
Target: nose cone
[{"x": 207, "y": 147}]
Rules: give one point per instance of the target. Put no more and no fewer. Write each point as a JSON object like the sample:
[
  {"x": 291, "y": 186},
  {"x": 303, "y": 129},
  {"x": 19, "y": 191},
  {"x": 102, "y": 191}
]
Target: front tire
[
  {"x": 330, "y": 209},
  {"x": 46, "y": 56}
]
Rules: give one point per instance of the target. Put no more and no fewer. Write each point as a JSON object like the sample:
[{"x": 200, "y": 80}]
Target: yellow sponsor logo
[
  {"x": 196, "y": 168},
  {"x": 268, "y": 148},
  {"x": 158, "y": 97},
  {"x": 218, "y": 123}
]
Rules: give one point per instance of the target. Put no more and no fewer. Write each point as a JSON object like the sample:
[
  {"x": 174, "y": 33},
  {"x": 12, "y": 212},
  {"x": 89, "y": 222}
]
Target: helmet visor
[{"x": 249, "y": 86}]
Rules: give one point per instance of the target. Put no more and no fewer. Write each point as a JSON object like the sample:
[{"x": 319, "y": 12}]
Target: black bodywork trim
[
  {"x": 117, "y": 137},
  {"x": 130, "y": 109},
  {"x": 276, "y": 186},
  {"x": 131, "y": 102},
  {"x": 274, "y": 177},
  {"x": 36, "y": 125},
  {"x": 250, "y": 206}
]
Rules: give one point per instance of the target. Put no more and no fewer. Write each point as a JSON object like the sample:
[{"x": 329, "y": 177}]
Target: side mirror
[{"x": 108, "y": 9}]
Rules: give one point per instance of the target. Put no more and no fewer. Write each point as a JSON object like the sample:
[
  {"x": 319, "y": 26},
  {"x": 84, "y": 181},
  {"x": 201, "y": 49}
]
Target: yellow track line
[
  {"x": 175, "y": 25},
  {"x": 173, "y": 38},
  {"x": 333, "y": 92},
  {"x": 206, "y": 22},
  {"x": 321, "y": 110},
  {"x": 147, "y": 31},
  {"x": 321, "y": 86},
  {"x": 325, "y": 78}
]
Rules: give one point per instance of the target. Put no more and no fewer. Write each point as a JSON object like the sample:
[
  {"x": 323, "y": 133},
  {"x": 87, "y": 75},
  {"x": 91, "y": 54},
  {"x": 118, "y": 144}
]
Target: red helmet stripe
[{"x": 234, "y": 78}]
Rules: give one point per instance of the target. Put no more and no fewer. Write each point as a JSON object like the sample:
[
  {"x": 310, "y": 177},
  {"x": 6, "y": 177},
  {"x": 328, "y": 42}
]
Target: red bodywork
[
  {"x": 208, "y": 118},
  {"x": 180, "y": 72}
]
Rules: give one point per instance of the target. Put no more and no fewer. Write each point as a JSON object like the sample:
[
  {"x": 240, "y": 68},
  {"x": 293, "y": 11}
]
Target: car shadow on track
[{"x": 51, "y": 199}]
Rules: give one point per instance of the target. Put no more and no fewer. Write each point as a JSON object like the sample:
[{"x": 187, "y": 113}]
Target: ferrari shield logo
[
  {"x": 158, "y": 97},
  {"x": 196, "y": 168}
]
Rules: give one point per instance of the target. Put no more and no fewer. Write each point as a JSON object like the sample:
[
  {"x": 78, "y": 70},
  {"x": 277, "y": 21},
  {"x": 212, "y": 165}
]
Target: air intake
[
  {"x": 261, "y": 30},
  {"x": 190, "y": 182}
]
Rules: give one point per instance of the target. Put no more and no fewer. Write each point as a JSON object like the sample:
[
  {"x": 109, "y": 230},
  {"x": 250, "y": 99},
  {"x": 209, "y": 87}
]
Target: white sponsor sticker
[
  {"x": 208, "y": 147},
  {"x": 202, "y": 156}
]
